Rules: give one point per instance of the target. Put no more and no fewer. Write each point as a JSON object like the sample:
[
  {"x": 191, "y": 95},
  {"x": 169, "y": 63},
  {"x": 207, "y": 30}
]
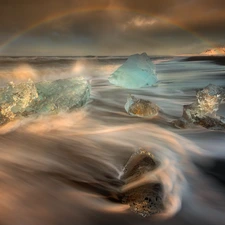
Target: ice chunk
[
  {"x": 44, "y": 97},
  {"x": 61, "y": 95},
  {"x": 141, "y": 108},
  {"x": 206, "y": 104},
  {"x": 146, "y": 199},
  {"x": 138, "y": 71},
  {"x": 203, "y": 110},
  {"x": 14, "y": 99}
]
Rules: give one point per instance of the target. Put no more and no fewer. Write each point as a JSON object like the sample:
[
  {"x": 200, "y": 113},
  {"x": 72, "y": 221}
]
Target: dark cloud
[{"x": 115, "y": 28}]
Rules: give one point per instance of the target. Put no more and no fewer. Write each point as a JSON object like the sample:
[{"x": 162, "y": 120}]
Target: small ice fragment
[
  {"x": 138, "y": 71},
  {"x": 203, "y": 110},
  {"x": 141, "y": 108}
]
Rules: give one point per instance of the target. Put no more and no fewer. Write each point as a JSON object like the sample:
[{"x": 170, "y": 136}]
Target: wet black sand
[{"x": 219, "y": 60}]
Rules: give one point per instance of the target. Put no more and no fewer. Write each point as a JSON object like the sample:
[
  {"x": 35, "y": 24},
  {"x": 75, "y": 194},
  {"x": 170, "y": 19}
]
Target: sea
[{"x": 64, "y": 169}]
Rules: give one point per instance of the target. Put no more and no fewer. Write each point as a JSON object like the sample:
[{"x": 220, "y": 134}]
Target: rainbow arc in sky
[{"x": 66, "y": 13}]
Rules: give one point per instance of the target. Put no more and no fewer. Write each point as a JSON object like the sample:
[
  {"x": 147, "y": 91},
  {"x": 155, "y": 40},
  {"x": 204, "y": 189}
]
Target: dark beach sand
[{"x": 220, "y": 60}]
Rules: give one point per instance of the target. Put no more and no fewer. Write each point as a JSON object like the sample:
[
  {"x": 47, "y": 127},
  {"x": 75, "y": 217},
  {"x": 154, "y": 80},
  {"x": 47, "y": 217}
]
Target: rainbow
[{"x": 60, "y": 15}]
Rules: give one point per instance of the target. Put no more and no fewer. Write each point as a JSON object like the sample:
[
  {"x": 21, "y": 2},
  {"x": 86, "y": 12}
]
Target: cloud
[{"x": 140, "y": 22}]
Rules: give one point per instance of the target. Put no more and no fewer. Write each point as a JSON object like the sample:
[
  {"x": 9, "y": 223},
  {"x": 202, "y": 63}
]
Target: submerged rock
[
  {"x": 146, "y": 199},
  {"x": 203, "y": 110},
  {"x": 44, "y": 97},
  {"x": 138, "y": 164},
  {"x": 141, "y": 108},
  {"x": 138, "y": 71}
]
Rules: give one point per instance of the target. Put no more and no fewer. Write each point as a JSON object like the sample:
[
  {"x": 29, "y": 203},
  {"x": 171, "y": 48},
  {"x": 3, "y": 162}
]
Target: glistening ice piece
[
  {"x": 138, "y": 71},
  {"x": 203, "y": 110},
  {"x": 141, "y": 108},
  {"x": 48, "y": 97}
]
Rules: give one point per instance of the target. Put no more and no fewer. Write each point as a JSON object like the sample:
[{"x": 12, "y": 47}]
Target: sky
[{"x": 110, "y": 27}]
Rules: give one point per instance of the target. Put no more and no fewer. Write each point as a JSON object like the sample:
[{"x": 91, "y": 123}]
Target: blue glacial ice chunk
[
  {"x": 61, "y": 95},
  {"x": 138, "y": 71},
  {"x": 48, "y": 97}
]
